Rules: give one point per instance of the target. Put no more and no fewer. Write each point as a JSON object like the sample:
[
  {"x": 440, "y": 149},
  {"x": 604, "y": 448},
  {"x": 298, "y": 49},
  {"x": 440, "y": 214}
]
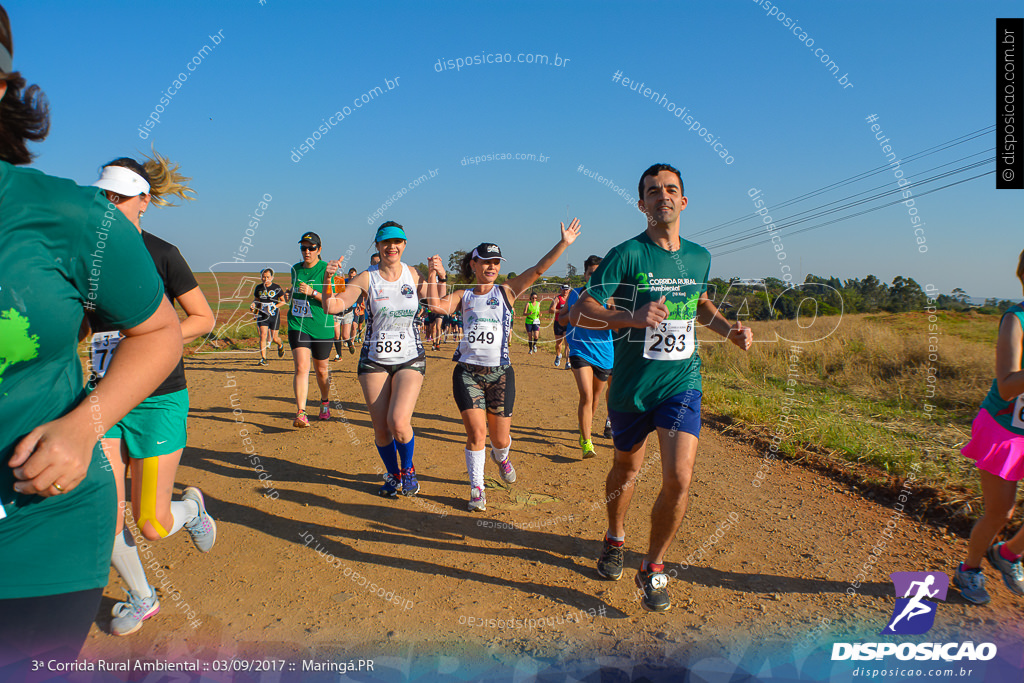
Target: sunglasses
[{"x": 303, "y": 247}]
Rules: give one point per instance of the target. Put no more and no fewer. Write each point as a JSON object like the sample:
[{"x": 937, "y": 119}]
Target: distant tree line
[{"x": 773, "y": 299}]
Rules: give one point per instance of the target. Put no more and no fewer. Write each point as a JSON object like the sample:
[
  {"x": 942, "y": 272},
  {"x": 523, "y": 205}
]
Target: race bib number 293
[{"x": 671, "y": 340}]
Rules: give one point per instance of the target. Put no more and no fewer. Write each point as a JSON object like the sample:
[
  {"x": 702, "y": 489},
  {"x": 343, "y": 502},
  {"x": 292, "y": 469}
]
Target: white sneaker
[{"x": 477, "y": 500}]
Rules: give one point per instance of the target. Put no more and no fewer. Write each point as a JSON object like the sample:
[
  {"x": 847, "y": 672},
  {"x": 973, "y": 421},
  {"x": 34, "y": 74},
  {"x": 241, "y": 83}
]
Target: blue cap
[{"x": 391, "y": 232}]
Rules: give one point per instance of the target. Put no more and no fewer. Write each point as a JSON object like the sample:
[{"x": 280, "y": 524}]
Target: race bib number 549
[{"x": 671, "y": 340}]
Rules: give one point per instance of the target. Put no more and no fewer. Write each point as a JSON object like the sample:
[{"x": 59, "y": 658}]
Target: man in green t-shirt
[
  {"x": 532, "y": 315},
  {"x": 659, "y": 283}
]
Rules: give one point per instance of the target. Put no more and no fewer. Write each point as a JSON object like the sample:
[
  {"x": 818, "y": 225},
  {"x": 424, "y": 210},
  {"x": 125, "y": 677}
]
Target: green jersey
[
  {"x": 306, "y": 314},
  {"x": 653, "y": 364},
  {"x": 65, "y": 247},
  {"x": 532, "y": 313}
]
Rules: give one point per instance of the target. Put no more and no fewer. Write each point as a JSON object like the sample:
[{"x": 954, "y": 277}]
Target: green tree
[
  {"x": 906, "y": 295},
  {"x": 455, "y": 266}
]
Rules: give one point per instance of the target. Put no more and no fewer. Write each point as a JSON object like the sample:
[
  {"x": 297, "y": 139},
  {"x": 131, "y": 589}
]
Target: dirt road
[{"x": 769, "y": 569}]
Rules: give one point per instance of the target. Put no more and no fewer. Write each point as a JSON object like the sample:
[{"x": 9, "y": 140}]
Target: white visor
[{"x": 123, "y": 181}]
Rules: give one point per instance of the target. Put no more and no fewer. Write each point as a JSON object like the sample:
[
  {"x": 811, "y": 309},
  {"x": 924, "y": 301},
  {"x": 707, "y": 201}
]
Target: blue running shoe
[
  {"x": 972, "y": 585},
  {"x": 1013, "y": 573},
  {"x": 202, "y": 529},
  {"x": 390, "y": 487},
  {"x": 128, "y": 616},
  {"x": 410, "y": 485}
]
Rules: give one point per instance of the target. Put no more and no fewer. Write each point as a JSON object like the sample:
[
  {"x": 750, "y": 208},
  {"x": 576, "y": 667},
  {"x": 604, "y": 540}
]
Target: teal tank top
[{"x": 1006, "y": 413}]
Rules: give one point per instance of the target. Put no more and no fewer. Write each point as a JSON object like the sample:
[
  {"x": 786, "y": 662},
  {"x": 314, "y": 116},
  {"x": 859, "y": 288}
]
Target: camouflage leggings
[{"x": 483, "y": 388}]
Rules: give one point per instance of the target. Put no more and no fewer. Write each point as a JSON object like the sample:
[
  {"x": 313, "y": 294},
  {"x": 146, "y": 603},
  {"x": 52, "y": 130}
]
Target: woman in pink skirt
[{"x": 997, "y": 445}]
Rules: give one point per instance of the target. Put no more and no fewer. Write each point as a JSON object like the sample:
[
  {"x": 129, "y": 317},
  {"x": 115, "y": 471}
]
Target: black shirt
[
  {"x": 266, "y": 300},
  {"x": 178, "y": 279}
]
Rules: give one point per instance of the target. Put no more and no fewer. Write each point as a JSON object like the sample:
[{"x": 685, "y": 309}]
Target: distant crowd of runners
[{"x": 78, "y": 264}]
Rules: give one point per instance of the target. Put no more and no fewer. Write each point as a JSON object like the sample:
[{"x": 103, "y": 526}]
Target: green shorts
[{"x": 157, "y": 426}]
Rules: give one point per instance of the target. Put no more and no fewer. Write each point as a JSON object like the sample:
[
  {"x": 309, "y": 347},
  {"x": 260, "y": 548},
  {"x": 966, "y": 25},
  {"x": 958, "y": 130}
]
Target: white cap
[{"x": 123, "y": 181}]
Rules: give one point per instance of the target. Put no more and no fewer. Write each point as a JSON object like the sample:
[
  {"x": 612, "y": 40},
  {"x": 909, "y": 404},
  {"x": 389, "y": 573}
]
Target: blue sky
[{"x": 926, "y": 69}]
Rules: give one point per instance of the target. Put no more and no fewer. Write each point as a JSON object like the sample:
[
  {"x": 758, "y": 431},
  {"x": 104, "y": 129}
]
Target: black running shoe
[
  {"x": 607, "y": 429},
  {"x": 610, "y": 565},
  {"x": 391, "y": 486},
  {"x": 655, "y": 594}
]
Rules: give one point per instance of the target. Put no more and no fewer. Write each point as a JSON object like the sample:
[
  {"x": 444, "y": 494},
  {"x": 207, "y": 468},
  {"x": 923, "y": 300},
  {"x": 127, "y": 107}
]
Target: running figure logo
[{"x": 913, "y": 614}]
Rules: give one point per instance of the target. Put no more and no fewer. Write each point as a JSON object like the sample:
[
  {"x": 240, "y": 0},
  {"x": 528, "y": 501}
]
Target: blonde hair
[
  {"x": 163, "y": 176},
  {"x": 166, "y": 180}
]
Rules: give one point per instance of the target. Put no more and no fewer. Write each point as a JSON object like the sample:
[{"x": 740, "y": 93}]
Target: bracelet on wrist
[{"x": 442, "y": 280}]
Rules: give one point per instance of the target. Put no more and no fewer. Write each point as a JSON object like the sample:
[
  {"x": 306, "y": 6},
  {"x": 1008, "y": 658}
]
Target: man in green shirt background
[
  {"x": 532, "y": 315},
  {"x": 659, "y": 283}
]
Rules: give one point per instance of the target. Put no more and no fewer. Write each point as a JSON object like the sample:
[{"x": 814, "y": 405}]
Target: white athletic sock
[
  {"x": 614, "y": 538},
  {"x": 128, "y": 564},
  {"x": 475, "y": 468},
  {"x": 499, "y": 454},
  {"x": 184, "y": 511}
]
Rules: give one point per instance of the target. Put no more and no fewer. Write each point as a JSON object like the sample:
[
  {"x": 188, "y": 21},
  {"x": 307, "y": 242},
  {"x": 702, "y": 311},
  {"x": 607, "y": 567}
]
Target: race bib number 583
[{"x": 671, "y": 340}]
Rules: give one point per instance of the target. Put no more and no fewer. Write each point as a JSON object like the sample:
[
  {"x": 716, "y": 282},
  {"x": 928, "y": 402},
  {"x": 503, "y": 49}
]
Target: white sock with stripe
[{"x": 498, "y": 455}]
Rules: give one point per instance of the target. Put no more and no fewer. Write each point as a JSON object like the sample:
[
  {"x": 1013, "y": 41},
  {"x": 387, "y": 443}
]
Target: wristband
[{"x": 442, "y": 280}]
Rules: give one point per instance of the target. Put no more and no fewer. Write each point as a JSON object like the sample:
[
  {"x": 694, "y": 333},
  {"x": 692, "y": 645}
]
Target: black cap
[
  {"x": 487, "y": 250},
  {"x": 311, "y": 237}
]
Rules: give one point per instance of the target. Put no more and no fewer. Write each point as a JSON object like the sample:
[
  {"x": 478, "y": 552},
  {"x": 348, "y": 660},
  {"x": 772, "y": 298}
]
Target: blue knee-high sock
[
  {"x": 405, "y": 452},
  {"x": 390, "y": 457}
]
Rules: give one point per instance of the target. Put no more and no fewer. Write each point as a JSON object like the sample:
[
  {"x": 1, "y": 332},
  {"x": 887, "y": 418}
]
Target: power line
[
  {"x": 780, "y": 225},
  {"x": 854, "y": 215},
  {"x": 967, "y": 137}
]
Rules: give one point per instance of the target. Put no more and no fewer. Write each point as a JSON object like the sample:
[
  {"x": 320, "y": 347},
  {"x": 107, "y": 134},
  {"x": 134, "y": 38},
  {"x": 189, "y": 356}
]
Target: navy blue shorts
[{"x": 680, "y": 413}]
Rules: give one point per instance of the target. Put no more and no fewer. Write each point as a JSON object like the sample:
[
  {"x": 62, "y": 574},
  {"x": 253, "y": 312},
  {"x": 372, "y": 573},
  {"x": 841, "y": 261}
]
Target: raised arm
[
  {"x": 439, "y": 300},
  {"x": 431, "y": 288},
  {"x": 342, "y": 301},
  {"x": 525, "y": 280}
]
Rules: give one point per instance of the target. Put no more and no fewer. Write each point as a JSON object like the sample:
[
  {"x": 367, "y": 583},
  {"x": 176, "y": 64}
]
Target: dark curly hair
[{"x": 24, "y": 112}]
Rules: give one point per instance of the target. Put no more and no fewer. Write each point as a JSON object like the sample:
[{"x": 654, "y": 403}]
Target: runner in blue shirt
[{"x": 590, "y": 357}]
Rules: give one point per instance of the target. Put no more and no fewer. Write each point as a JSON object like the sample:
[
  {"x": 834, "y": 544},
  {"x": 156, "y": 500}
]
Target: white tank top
[
  {"x": 392, "y": 337},
  {"x": 487, "y": 321}
]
